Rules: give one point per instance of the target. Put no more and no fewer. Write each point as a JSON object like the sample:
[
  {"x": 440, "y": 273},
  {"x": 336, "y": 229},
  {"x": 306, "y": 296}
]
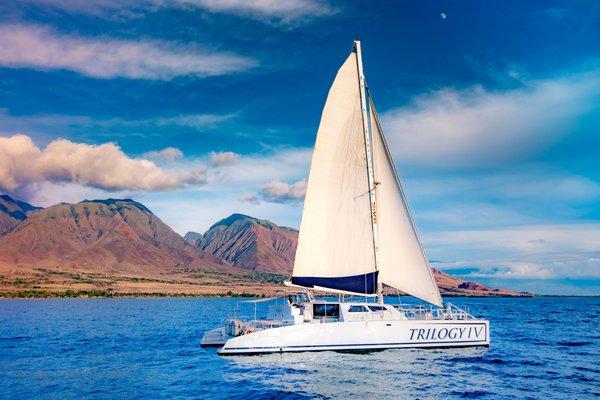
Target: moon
[{"x": 443, "y": 15}]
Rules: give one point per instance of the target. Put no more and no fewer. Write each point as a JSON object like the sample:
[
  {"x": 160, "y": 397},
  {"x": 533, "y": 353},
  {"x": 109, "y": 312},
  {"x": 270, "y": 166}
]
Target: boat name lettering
[{"x": 466, "y": 332}]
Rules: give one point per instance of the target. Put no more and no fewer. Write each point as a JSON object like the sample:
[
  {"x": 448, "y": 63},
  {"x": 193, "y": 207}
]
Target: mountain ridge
[
  {"x": 13, "y": 212},
  {"x": 115, "y": 234},
  {"x": 119, "y": 246},
  {"x": 249, "y": 243}
]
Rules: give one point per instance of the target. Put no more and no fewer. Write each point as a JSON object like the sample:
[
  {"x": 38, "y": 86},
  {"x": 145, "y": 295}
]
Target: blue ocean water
[{"x": 542, "y": 348}]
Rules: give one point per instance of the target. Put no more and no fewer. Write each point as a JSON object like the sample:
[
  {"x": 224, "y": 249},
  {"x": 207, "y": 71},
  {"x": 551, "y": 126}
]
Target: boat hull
[{"x": 361, "y": 336}]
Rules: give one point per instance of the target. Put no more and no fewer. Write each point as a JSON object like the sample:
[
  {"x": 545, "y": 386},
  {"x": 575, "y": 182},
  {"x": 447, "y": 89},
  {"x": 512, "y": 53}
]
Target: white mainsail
[
  {"x": 335, "y": 245},
  {"x": 339, "y": 233},
  {"x": 402, "y": 261}
]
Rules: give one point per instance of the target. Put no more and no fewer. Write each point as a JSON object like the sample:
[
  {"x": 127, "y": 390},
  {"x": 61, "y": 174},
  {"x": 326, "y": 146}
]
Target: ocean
[{"x": 148, "y": 348}]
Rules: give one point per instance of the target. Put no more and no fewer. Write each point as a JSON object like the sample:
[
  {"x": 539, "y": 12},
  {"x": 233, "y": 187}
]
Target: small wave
[
  {"x": 574, "y": 344},
  {"x": 531, "y": 340},
  {"x": 478, "y": 360},
  {"x": 531, "y": 363},
  {"x": 473, "y": 394},
  {"x": 582, "y": 378},
  {"x": 283, "y": 394},
  {"x": 548, "y": 321},
  {"x": 580, "y": 368},
  {"x": 15, "y": 338}
]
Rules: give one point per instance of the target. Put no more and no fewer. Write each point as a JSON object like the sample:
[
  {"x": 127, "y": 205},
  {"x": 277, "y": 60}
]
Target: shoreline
[
  {"x": 103, "y": 294},
  {"x": 51, "y": 283}
]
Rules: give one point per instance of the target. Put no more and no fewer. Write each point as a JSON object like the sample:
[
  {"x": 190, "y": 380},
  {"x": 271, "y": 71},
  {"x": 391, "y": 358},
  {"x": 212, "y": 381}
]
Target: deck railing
[{"x": 448, "y": 312}]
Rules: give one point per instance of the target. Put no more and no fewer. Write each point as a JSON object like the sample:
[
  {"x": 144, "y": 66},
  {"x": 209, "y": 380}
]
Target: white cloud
[
  {"x": 284, "y": 10},
  {"x": 278, "y": 192},
  {"x": 530, "y": 251},
  {"x": 500, "y": 197},
  {"x": 102, "y": 166},
  {"x": 41, "y": 124},
  {"x": 544, "y": 186},
  {"x": 250, "y": 198},
  {"x": 469, "y": 214},
  {"x": 255, "y": 169},
  {"x": 477, "y": 127},
  {"x": 167, "y": 154},
  {"x": 530, "y": 238},
  {"x": 281, "y": 9},
  {"x": 46, "y": 194},
  {"x": 189, "y": 120},
  {"x": 281, "y": 192},
  {"x": 530, "y": 181},
  {"x": 92, "y": 6},
  {"x": 221, "y": 158},
  {"x": 40, "y": 47}
]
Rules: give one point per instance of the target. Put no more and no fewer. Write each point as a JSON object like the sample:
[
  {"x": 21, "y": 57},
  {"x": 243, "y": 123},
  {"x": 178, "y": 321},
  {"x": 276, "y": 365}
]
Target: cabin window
[
  {"x": 326, "y": 310},
  {"x": 377, "y": 308},
  {"x": 357, "y": 309}
]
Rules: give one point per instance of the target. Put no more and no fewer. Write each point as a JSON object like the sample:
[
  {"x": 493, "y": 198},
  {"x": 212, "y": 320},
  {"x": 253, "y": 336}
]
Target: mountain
[
  {"x": 192, "y": 238},
  {"x": 110, "y": 236},
  {"x": 452, "y": 285},
  {"x": 261, "y": 245},
  {"x": 252, "y": 244},
  {"x": 12, "y": 212},
  {"x": 102, "y": 247}
]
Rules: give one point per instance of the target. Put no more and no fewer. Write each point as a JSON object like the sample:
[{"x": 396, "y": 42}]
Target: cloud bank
[
  {"x": 103, "y": 166},
  {"x": 550, "y": 251},
  {"x": 282, "y": 9},
  {"x": 222, "y": 158},
  {"x": 39, "y": 47},
  {"x": 476, "y": 127},
  {"x": 278, "y": 192},
  {"x": 167, "y": 154}
]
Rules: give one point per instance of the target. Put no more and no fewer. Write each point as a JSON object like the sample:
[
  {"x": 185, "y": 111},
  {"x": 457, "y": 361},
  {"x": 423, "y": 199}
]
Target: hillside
[
  {"x": 192, "y": 238},
  {"x": 108, "y": 247},
  {"x": 453, "y": 286},
  {"x": 116, "y": 236},
  {"x": 13, "y": 212},
  {"x": 260, "y": 245},
  {"x": 252, "y": 244}
]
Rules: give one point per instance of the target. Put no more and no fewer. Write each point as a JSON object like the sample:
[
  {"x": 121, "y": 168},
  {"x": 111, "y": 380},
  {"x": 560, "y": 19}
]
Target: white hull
[
  {"x": 361, "y": 336},
  {"x": 356, "y": 235}
]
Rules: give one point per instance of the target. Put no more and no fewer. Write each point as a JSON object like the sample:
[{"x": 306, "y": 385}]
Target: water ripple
[{"x": 148, "y": 348}]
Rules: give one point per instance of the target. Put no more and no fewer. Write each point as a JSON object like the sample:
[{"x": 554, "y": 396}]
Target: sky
[{"x": 202, "y": 108}]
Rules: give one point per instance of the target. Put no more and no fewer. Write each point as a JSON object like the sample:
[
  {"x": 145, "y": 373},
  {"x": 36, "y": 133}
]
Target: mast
[{"x": 369, "y": 155}]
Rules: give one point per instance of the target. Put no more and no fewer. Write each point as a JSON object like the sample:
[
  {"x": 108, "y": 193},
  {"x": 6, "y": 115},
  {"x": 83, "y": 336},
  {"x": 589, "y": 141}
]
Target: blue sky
[{"x": 199, "y": 108}]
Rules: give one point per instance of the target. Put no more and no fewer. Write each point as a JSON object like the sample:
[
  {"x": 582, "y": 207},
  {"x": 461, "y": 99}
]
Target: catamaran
[{"x": 356, "y": 235}]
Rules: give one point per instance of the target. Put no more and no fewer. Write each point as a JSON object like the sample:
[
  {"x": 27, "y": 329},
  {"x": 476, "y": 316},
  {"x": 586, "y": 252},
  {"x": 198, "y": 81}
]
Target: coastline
[
  {"x": 73, "y": 283},
  {"x": 106, "y": 294}
]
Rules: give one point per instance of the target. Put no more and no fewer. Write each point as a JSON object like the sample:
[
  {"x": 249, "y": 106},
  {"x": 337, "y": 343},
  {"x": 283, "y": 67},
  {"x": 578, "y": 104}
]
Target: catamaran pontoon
[{"x": 356, "y": 234}]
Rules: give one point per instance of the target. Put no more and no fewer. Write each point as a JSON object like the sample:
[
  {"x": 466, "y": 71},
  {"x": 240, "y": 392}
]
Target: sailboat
[{"x": 356, "y": 235}]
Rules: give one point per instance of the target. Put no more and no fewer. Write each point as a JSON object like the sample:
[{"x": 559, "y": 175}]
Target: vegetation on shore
[
  {"x": 67, "y": 294},
  {"x": 187, "y": 282}
]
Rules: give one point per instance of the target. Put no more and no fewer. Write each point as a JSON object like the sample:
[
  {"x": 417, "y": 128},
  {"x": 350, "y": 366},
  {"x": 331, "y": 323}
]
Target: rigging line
[{"x": 368, "y": 191}]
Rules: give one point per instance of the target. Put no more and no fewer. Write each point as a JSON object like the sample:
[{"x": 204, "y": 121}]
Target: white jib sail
[
  {"x": 402, "y": 261},
  {"x": 336, "y": 238}
]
